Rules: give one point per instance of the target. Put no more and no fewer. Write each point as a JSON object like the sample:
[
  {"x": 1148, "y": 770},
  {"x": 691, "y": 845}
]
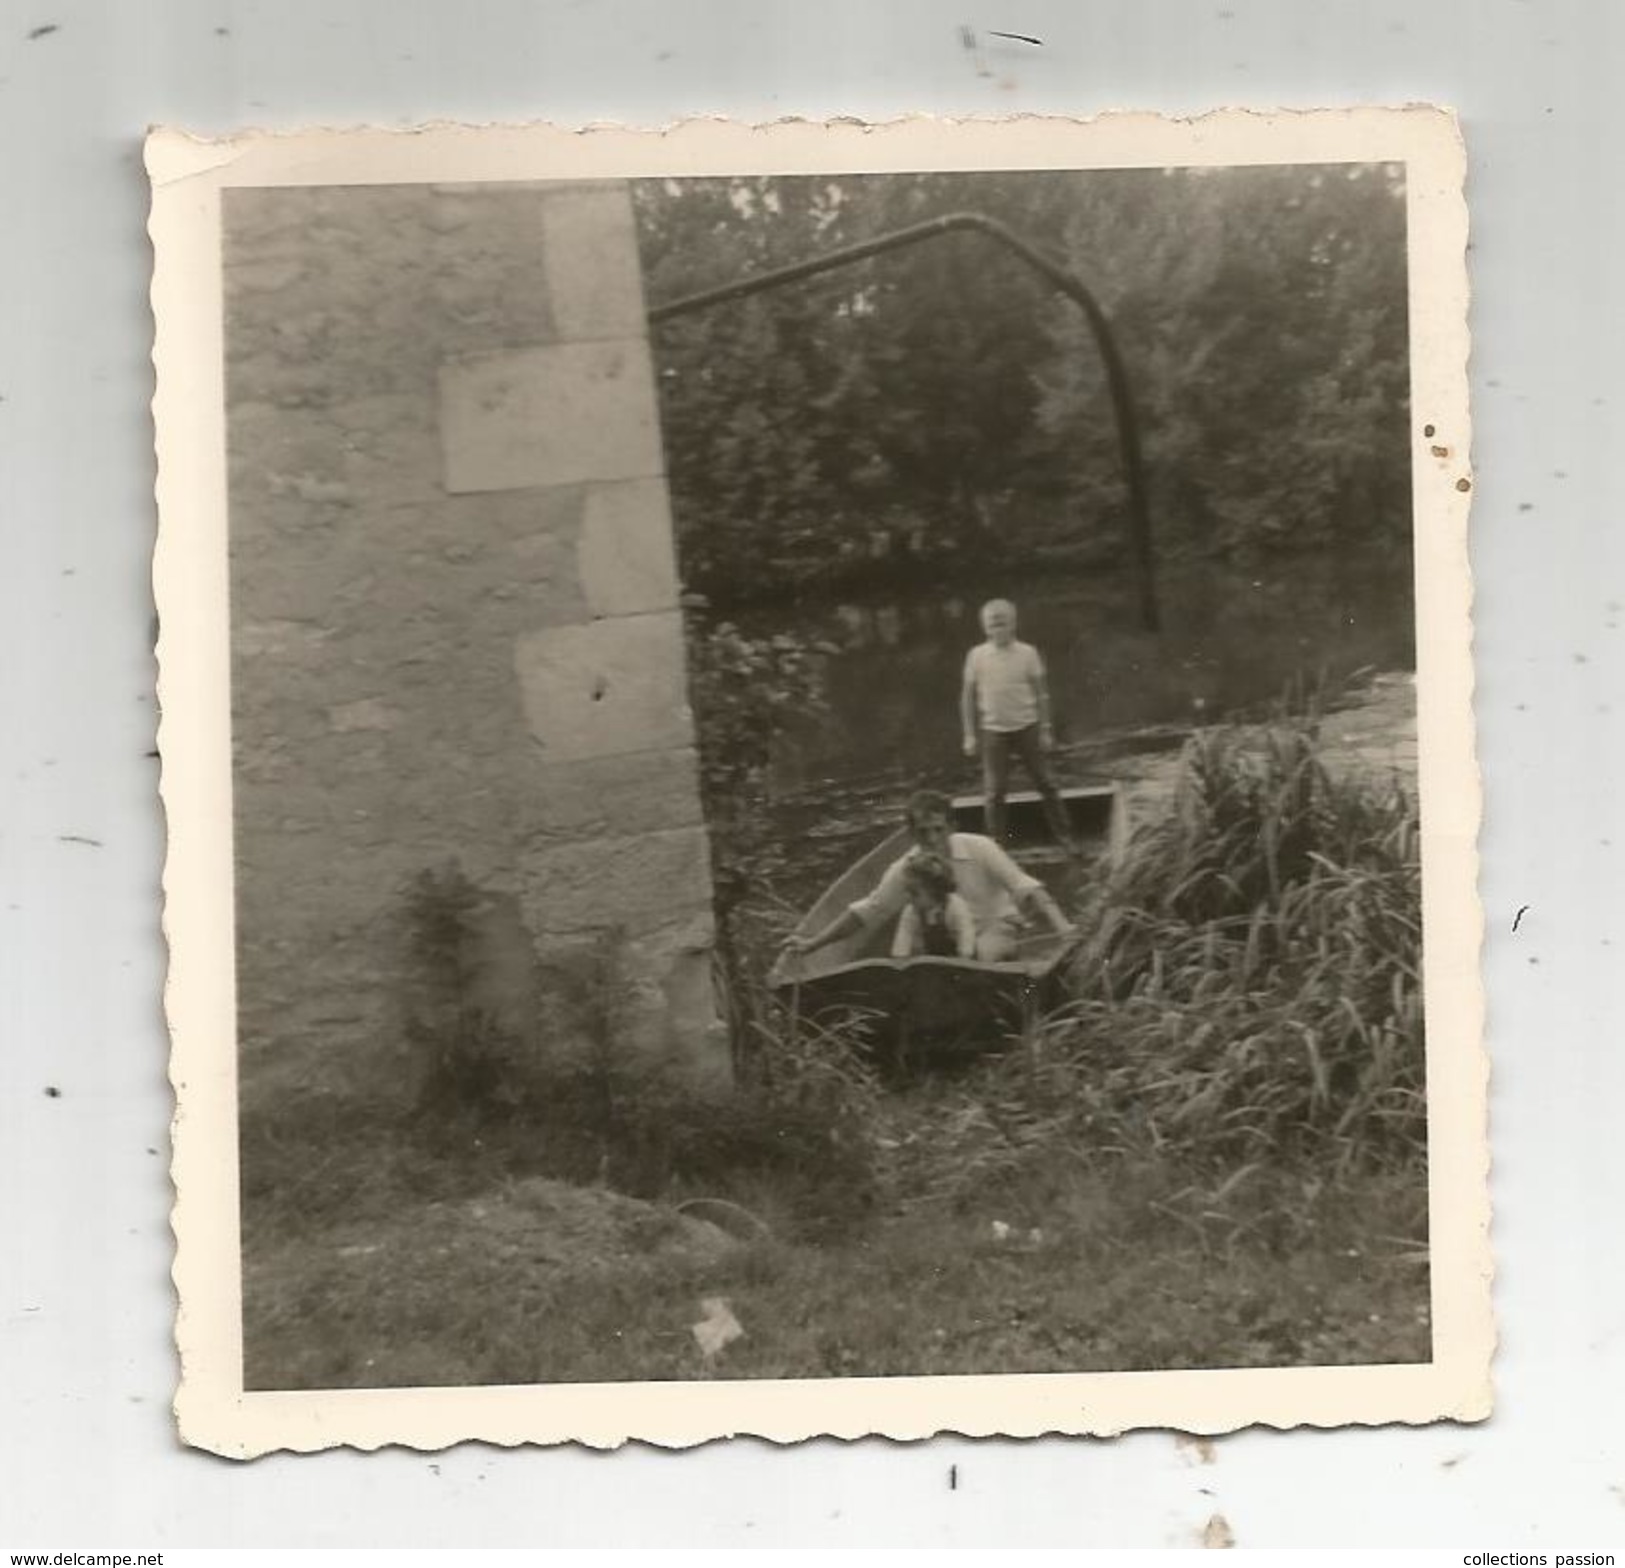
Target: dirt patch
[
  {"x": 584, "y": 1229},
  {"x": 536, "y": 1225}
]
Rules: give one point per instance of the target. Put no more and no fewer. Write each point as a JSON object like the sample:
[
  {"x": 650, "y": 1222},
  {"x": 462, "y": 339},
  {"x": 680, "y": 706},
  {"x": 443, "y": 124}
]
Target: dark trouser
[{"x": 998, "y": 746}]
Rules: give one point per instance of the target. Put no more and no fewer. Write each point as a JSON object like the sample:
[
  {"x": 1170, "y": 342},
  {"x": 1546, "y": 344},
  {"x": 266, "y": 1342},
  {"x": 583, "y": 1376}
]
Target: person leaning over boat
[{"x": 1000, "y": 895}]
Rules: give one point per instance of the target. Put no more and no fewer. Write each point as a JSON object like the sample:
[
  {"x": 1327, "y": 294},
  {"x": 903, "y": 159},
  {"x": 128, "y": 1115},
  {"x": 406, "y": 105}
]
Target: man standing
[{"x": 1004, "y": 709}]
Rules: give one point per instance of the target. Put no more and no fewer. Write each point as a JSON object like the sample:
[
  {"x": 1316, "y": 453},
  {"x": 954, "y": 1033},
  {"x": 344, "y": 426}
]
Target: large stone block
[
  {"x": 365, "y": 713},
  {"x": 638, "y": 884},
  {"x": 606, "y": 688},
  {"x": 549, "y": 416},
  {"x": 368, "y": 290},
  {"x": 322, "y": 576},
  {"x": 593, "y": 278},
  {"x": 491, "y": 281},
  {"x": 627, "y": 561},
  {"x": 639, "y": 793},
  {"x": 391, "y": 454},
  {"x": 483, "y": 567},
  {"x": 266, "y": 444},
  {"x": 300, "y": 640},
  {"x": 314, "y": 464},
  {"x": 670, "y": 1010}
]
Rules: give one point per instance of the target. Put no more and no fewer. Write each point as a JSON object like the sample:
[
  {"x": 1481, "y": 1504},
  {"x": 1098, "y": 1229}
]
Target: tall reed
[{"x": 1249, "y": 993}]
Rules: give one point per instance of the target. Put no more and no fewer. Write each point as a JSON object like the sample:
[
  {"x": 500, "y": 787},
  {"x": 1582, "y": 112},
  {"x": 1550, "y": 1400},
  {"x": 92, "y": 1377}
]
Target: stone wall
[{"x": 456, "y": 632}]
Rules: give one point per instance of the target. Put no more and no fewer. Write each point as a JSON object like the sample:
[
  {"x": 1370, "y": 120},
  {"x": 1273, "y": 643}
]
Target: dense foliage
[
  {"x": 746, "y": 691},
  {"x": 941, "y": 405}
]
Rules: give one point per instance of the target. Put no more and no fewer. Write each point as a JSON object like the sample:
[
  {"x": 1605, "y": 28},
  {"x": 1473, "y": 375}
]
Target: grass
[
  {"x": 1124, "y": 1275},
  {"x": 1213, "y": 1155}
]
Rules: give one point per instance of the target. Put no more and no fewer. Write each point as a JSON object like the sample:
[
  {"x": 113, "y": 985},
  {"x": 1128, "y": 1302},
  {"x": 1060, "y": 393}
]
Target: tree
[
  {"x": 1265, "y": 313},
  {"x": 939, "y": 406}
]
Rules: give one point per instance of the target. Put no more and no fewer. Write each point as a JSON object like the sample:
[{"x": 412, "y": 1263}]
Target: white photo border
[{"x": 190, "y": 576}]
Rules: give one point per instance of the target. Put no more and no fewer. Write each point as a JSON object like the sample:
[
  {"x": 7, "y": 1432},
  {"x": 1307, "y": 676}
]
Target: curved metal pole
[{"x": 1128, "y": 425}]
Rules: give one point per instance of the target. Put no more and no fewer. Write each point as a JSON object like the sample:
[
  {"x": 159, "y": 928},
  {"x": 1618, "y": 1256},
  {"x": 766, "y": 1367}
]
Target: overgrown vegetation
[
  {"x": 1247, "y": 1010},
  {"x": 746, "y": 692},
  {"x": 1257, "y": 961},
  {"x": 1213, "y": 1154}
]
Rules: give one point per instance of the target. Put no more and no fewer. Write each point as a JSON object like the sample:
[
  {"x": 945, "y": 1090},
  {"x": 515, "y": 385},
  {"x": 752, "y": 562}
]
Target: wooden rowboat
[{"x": 946, "y": 996}]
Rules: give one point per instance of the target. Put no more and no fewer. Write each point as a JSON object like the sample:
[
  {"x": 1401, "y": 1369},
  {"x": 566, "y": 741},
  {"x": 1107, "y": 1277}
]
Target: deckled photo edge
[
  {"x": 194, "y": 656},
  {"x": 193, "y": 661}
]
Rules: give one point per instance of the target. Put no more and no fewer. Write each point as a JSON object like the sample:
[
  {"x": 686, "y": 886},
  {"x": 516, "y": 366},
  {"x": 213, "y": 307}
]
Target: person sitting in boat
[
  {"x": 1004, "y": 712},
  {"x": 1001, "y": 897},
  {"x": 935, "y": 921}
]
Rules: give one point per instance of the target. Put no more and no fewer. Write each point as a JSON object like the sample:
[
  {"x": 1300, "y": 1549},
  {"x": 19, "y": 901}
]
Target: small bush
[
  {"x": 466, "y": 1058},
  {"x": 575, "y": 1098}
]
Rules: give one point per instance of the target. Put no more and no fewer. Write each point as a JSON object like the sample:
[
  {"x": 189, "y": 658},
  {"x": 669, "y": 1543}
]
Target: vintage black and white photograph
[{"x": 825, "y": 773}]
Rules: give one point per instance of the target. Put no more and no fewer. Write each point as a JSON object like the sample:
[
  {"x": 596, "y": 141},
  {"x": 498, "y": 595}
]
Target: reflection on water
[{"x": 1231, "y": 640}]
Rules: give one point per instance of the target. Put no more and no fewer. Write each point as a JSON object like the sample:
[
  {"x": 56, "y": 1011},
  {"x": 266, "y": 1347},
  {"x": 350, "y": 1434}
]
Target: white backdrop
[{"x": 88, "y": 1456}]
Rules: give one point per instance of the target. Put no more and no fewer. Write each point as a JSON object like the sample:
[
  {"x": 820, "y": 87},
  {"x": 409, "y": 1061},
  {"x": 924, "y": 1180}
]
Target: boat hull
[{"x": 948, "y": 997}]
